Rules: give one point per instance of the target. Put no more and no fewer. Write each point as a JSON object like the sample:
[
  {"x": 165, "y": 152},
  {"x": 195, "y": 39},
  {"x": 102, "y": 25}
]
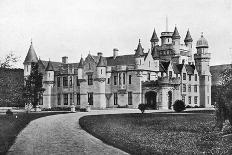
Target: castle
[{"x": 158, "y": 77}]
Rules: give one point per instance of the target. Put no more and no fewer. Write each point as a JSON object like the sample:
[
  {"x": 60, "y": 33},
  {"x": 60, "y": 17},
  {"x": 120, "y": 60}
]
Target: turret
[
  {"x": 80, "y": 69},
  {"x": 49, "y": 72},
  {"x": 31, "y": 57},
  {"x": 101, "y": 68},
  {"x": 154, "y": 40},
  {"x": 188, "y": 43},
  {"x": 139, "y": 55},
  {"x": 176, "y": 41},
  {"x": 202, "y": 58}
]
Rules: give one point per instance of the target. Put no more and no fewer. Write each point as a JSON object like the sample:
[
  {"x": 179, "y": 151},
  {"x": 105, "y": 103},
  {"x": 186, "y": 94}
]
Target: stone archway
[
  {"x": 170, "y": 100},
  {"x": 150, "y": 99}
]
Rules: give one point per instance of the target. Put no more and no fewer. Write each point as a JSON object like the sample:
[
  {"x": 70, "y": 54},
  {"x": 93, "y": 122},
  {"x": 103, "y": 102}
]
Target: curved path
[{"x": 61, "y": 134}]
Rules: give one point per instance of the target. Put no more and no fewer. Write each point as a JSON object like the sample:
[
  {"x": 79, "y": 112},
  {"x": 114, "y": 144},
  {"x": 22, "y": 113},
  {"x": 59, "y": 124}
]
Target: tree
[
  {"x": 222, "y": 95},
  {"x": 33, "y": 88},
  {"x": 9, "y": 60},
  {"x": 179, "y": 106}
]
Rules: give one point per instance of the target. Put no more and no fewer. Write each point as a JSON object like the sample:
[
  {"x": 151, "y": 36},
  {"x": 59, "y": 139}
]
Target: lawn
[
  {"x": 10, "y": 126},
  {"x": 158, "y": 133}
]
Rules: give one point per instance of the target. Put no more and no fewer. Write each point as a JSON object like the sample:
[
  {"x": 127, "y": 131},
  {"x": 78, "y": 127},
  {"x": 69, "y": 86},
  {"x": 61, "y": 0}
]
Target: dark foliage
[
  {"x": 9, "y": 112},
  {"x": 179, "y": 106},
  {"x": 142, "y": 107},
  {"x": 188, "y": 106},
  {"x": 11, "y": 87},
  {"x": 33, "y": 89},
  {"x": 57, "y": 109}
]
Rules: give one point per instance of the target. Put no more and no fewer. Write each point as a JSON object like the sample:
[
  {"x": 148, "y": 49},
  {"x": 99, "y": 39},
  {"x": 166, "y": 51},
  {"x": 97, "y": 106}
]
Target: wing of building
[{"x": 167, "y": 72}]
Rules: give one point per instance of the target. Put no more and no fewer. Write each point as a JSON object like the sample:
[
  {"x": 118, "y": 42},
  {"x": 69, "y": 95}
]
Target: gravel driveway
[{"x": 61, "y": 134}]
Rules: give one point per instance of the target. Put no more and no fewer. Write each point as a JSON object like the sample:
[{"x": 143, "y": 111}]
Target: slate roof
[
  {"x": 154, "y": 37},
  {"x": 139, "y": 50},
  {"x": 49, "y": 66},
  {"x": 56, "y": 65},
  {"x": 165, "y": 65},
  {"x": 188, "y": 37},
  {"x": 31, "y": 55},
  {"x": 190, "y": 69},
  {"x": 176, "y": 69},
  {"x": 121, "y": 60},
  {"x": 101, "y": 62},
  {"x": 176, "y": 34}
]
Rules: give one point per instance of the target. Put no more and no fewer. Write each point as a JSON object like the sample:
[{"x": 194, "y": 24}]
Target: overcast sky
[{"x": 74, "y": 27}]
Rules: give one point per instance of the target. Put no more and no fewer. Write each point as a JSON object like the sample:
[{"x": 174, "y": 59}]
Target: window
[
  {"x": 184, "y": 87},
  {"x": 148, "y": 76},
  {"x": 108, "y": 80},
  {"x": 149, "y": 64},
  {"x": 176, "y": 75},
  {"x": 65, "y": 99},
  {"x": 70, "y": 98},
  {"x": 70, "y": 81},
  {"x": 101, "y": 71},
  {"x": 195, "y": 88},
  {"x": 89, "y": 66},
  {"x": 195, "y": 99},
  {"x": 90, "y": 98},
  {"x": 195, "y": 77},
  {"x": 124, "y": 78},
  {"x": 78, "y": 83},
  {"x": 140, "y": 61},
  {"x": 184, "y": 76},
  {"x": 90, "y": 79},
  {"x": 208, "y": 78},
  {"x": 170, "y": 74},
  {"x": 27, "y": 68},
  {"x": 119, "y": 79},
  {"x": 115, "y": 99},
  {"x": 115, "y": 80},
  {"x": 189, "y": 88},
  {"x": 65, "y": 81},
  {"x": 129, "y": 98},
  {"x": 189, "y": 101},
  {"x": 58, "y": 99},
  {"x": 129, "y": 79},
  {"x": 78, "y": 99},
  {"x": 183, "y": 99},
  {"x": 58, "y": 81},
  {"x": 190, "y": 77}
]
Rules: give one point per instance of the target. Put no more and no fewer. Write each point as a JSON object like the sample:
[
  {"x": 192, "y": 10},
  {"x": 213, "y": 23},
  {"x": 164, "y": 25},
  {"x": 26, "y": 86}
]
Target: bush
[
  {"x": 83, "y": 110},
  {"x": 142, "y": 107},
  {"x": 122, "y": 106},
  {"x": 9, "y": 112},
  {"x": 57, "y": 109},
  {"x": 196, "y": 106},
  {"x": 179, "y": 106},
  {"x": 201, "y": 106},
  {"x": 188, "y": 106}
]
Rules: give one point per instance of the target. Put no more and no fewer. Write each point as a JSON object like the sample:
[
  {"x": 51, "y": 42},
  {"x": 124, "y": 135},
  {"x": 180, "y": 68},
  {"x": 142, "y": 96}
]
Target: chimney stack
[
  {"x": 115, "y": 52},
  {"x": 65, "y": 59},
  {"x": 99, "y": 54}
]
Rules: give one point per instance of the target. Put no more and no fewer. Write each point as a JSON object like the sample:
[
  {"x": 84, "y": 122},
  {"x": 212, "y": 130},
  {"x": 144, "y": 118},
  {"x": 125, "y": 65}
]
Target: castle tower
[
  {"x": 100, "y": 98},
  {"x": 202, "y": 58},
  {"x": 30, "y": 58},
  {"x": 188, "y": 43},
  {"x": 154, "y": 42},
  {"x": 139, "y": 56},
  {"x": 48, "y": 85},
  {"x": 176, "y": 41}
]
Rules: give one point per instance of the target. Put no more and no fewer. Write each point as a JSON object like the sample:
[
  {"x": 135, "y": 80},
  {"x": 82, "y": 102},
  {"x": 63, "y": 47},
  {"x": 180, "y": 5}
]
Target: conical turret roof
[
  {"x": 31, "y": 55},
  {"x": 49, "y": 66},
  {"x": 81, "y": 63},
  {"x": 139, "y": 50},
  {"x": 188, "y": 37},
  {"x": 176, "y": 34},
  {"x": 154, "y": 37},
  {"x": 101, "y": 62}
]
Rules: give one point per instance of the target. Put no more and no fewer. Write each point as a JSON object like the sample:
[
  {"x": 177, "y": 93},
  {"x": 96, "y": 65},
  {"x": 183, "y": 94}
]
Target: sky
[{"x": 75, "y": 28}]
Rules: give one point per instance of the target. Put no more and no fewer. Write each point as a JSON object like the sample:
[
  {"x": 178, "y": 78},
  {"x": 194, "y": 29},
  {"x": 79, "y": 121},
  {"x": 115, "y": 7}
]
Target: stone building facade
[{"x": 167, "y": 72}]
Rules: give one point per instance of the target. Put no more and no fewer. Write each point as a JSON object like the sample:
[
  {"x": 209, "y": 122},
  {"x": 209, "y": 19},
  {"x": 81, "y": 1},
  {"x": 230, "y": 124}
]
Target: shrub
[
  {"x": 201, "y": 106},
  {"x": 122, "y": 106},
  {"x": 188, "y": 106},
  {"x": 142, "y": 107},
  {"x": 9, "y": 112},
  {"x": 83, "y": 110},
  {"x": 179, "y": 106},
  {"x": 196, "y": 106}
]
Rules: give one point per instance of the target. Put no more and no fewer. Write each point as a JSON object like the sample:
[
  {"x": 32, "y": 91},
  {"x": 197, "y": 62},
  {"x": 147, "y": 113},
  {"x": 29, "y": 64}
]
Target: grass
[
  {"x": 158, "y": 133},
  {"x": 10, "y": 126}
]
